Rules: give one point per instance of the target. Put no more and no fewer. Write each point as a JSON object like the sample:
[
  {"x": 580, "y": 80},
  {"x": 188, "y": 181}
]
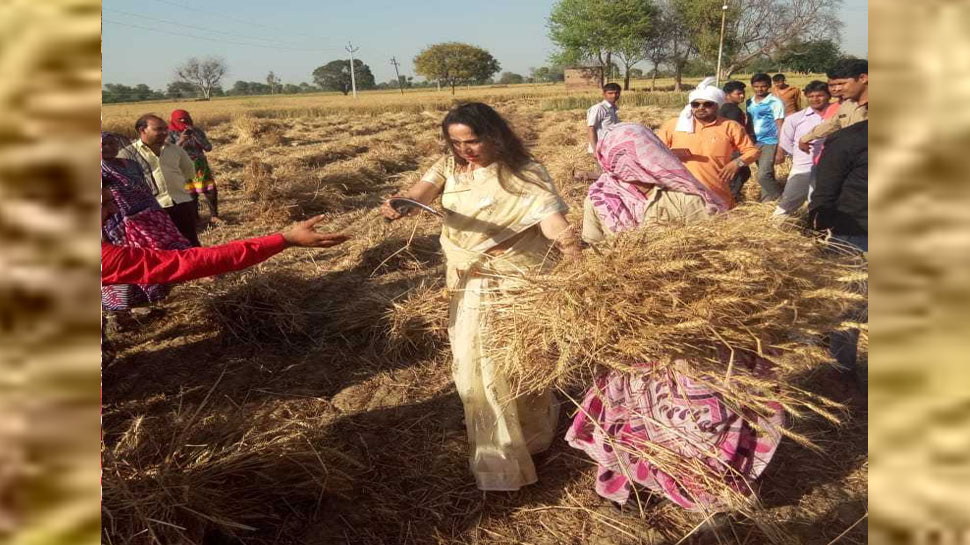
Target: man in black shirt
[
  {"x": 734, "y": 92},
  {"x": 840, "y": 202},
  {"x": 840, "y": 205}
]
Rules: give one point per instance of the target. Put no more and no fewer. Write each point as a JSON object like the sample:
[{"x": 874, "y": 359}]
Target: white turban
[{"x": 705, "y": 90}]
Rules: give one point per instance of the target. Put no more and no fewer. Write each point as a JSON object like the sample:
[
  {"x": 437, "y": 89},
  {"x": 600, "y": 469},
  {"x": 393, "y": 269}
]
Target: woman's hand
[
  {"x": 423, "y": 192},
  {"x": 563, "y": 235},
  {"x": 389, "y": 213},
  {"x": 303, "y": 234}
]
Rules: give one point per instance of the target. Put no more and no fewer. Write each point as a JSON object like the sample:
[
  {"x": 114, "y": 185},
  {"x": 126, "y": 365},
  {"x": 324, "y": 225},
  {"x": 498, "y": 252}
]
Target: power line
[
  {"x": 205, "y": 38},
  {"x": 209, "y": 30},
  {"x": 223, "y": 15}
]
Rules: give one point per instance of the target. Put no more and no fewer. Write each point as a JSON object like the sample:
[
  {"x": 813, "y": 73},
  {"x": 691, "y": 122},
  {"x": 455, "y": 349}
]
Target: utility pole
[
  {"x": 720, "y": 47},
  {"x": 353, "y": 79},
  {"x": 398, "y": 74}
]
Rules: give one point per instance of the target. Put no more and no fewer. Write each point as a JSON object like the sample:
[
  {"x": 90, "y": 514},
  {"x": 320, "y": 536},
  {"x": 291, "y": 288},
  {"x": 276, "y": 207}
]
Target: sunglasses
[{"x": 696, "y": 105}]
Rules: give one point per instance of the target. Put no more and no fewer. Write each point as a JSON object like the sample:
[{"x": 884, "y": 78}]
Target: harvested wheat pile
[
  {"x": 255, "y": 308},
  {"x": 418, "y": 324},
  {"x": 175, "y": 478},
  {"x": 712, "y": 293},
  {"x": 253, "y": 130}
]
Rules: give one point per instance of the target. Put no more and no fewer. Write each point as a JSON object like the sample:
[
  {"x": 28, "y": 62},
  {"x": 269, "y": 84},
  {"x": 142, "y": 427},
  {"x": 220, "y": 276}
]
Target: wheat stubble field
[
  {"x": 309, "y": 400},
  {"x": 49, "y": 481}
]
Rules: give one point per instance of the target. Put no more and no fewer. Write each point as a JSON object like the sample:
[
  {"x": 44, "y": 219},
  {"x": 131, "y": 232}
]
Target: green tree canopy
[
  {"x": 455, "y": 63},
  {"x": 181, "y": 89},
  {"x": 814, "y": 56},
  {"x": 598, "y": 30},
  {"x": 116, "y": 92},
  {"x": 548, "y": 73},
  {"x": 335, "y": 76},
  {"x": 510, "y": 78}
]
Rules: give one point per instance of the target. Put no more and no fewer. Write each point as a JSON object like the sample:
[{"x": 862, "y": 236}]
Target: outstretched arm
[{"x": 126, "y": 265}]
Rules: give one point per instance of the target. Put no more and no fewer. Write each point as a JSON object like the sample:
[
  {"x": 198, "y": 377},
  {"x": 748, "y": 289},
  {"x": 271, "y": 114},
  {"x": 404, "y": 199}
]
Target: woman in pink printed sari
[
  {"x": 659, "y": 428},
  {"x": 643, "y": 183}
]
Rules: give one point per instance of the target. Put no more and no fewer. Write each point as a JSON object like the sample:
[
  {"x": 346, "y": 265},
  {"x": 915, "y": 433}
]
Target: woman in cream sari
[{"x": 502, "y": 214}]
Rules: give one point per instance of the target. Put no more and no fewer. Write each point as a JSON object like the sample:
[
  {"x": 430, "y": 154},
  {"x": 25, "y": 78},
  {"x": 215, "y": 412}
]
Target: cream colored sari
[{"x": 481, "y": 216}]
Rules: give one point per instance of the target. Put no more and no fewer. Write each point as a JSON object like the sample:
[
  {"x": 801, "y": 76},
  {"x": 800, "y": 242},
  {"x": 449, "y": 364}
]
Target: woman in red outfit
[
  {"x": 132, "y": 265},
  {"x": 128, "y": 265}
]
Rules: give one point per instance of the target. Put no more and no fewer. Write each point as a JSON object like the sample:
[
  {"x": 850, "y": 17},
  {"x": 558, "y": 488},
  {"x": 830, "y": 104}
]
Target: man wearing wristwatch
[{"x": 705, "y": 141}]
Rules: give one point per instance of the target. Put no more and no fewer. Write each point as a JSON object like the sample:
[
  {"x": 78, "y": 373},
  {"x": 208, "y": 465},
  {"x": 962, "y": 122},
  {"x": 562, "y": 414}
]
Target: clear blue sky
[{"x": 292, "y": 37}]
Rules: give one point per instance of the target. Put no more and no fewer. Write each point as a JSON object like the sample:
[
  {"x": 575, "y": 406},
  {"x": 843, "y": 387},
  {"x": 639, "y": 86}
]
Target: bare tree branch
[{"x": 204, "y": 74}]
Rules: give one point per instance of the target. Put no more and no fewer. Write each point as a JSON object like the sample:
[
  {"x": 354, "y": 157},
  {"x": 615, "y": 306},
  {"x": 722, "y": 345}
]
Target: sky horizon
[{"x": 144, "y": 40}]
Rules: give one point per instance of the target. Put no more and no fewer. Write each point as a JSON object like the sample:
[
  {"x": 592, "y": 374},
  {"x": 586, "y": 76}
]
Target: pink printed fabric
[
  {"x": 632, "y": 152},
  {"x": 627, "y": 420},
  {"x": 153, "y": 229}
]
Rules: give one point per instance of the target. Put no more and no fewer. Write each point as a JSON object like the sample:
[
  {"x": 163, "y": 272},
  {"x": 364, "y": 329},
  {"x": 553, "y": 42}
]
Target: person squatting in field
[{"x": 627, "y": 418}]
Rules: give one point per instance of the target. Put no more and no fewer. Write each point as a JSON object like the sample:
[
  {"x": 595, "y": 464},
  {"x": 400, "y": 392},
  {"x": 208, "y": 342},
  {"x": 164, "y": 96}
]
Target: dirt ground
[{"x": 336, "y": 353}]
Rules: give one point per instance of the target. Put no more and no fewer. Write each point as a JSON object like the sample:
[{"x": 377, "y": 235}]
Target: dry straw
[
  {"x": 169, "y": 478},
  {"x": 711, "y": 295}
]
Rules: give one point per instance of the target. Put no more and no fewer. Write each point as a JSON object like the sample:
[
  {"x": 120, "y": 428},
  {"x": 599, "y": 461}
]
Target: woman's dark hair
[{"x": 492, "y": 129}]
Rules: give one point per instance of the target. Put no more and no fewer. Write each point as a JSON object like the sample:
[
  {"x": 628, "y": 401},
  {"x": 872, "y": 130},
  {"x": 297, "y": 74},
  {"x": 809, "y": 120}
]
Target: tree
[
  {"x": 510, "y": 78},
  {"x": 181, "y": 89},
  {"x": 308, "y": 88},
  {"x": 274, "y": 82},
  {"x": 455, "y": 63},
  {"x": 335, "y": 76},
  {"x": 813, "y": 56},
  {"x": 677, "y": 39},
  {"x": 548, "y": 73},
  {"x": 204, "y": 74},
  {"x": 757, "y": 28},
  {"x": 640, "y": 18},
  {"x": 656, "y": 53},
  {"x": 596, "y": 30},
  {"x": 580, "y": 31},
  {"x": 116, "y": 92}
]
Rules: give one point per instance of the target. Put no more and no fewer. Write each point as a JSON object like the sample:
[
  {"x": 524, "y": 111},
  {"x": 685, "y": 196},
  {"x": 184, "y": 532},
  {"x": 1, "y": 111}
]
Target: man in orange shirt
[
  {"x": 790, "y": 96},
  {"x": 705, "y": 141}
]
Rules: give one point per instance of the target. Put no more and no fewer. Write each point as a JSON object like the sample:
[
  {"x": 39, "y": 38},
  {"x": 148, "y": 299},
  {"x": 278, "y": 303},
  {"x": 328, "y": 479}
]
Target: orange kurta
[{"x": 710, "y": 146}]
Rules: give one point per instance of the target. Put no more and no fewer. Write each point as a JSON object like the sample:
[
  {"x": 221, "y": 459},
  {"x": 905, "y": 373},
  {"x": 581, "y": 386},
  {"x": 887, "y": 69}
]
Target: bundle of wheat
[
  {"x": 708, "y": 294},
  {"x": 253, "y": 130}
]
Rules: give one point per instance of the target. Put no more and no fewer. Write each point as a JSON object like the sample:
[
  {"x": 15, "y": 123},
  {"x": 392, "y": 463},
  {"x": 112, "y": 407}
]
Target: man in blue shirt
[{"x": 766, "y": 112}]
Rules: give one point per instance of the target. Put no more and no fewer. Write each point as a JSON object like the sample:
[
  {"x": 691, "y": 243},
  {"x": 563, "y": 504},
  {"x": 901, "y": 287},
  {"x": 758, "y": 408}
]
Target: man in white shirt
[
  {"x": 801, "y": 178},
  {"x": 166, "y": 168},
  {"x": 599, "y": 118},
  {"x": 603, "y": 114}
]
